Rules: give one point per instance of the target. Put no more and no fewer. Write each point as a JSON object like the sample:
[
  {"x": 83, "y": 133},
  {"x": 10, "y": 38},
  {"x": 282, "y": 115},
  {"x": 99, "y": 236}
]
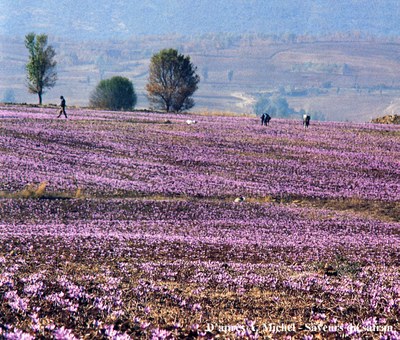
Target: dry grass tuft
[
  {"x": 78, "y": 193},
  {"x": 31, "y": 191},
  {"x": 40, "y": 190}
]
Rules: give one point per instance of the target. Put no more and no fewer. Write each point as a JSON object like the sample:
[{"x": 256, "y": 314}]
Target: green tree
[
  {"x": 172, "y": 81},
  {"x": 9, "y": 96},
  {"x": 230, "y": 75},
  {"x": 41, "y": 66},
  {"x": 263, "y": 104},
  {"x": 273, "y": 105},
  {"x": 205, "y": 73},
  {"x": 116, "y": 93}
]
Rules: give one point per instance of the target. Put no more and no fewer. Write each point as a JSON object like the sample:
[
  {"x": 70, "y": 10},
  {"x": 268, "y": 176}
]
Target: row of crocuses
[
  {"x": 117, "y": 154},
  {"x": 127, "y": 268}
]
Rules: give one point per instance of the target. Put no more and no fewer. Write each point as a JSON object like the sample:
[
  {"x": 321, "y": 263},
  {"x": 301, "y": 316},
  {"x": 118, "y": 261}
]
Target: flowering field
[{"x": 124, "y": 225}]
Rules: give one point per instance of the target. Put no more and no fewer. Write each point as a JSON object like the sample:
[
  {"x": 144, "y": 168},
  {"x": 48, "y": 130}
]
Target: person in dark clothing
[
  {"x": 262, "y": 119},
  {"x": 265, "y": 118},
  {"x": 62, "y": 108},
  {"x": 306, "y": 120}
]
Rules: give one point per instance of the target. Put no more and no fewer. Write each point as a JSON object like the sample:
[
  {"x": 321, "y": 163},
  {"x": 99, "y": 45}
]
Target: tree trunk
[{"x": 40, "y": 98}]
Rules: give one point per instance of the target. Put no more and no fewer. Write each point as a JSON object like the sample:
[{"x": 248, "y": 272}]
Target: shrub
[{"x": 116, "y": 93}]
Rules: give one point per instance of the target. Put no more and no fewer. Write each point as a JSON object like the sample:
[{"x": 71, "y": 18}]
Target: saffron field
[{"x": 124, "y": 226}]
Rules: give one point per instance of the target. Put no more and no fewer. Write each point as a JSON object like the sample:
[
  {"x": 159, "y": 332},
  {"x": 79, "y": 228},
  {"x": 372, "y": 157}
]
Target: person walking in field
[
  {"x": 62, "y": 108},
  {"x": 306, "y": 120}
]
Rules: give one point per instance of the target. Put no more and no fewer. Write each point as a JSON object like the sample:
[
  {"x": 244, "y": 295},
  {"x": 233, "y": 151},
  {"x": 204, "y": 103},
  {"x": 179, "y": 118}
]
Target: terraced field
[{"x": 124, "y": 225}]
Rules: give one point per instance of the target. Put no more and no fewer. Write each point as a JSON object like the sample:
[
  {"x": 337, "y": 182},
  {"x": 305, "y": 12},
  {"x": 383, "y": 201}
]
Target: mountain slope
[{"x": 104, "y": 19}]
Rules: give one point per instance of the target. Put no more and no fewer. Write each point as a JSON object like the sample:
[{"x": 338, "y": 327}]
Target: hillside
[
  {"x": 129, "y": 219},
  {"x": 344, "y": 80},
  {"x": 122, "y": 19},
  {"x": 207, "y": 147}
]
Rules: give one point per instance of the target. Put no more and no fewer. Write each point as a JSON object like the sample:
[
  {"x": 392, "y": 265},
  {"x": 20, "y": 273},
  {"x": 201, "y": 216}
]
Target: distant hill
[
  {"x": 103, "y": 19},
  {"x": 338, "y": 58},
  {"x": 339, "y": 78}
]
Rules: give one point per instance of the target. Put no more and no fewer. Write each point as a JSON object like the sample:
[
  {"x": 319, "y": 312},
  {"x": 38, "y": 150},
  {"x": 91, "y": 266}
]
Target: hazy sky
[{"x": 123, "y": 18}]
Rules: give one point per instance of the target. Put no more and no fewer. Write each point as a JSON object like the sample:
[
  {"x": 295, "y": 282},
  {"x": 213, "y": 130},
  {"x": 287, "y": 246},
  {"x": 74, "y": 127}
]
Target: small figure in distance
[
  {"x": 265, "y": 118},
  {"x": 62, "y": 108},
  {"x": 306, "y": 120},
  {"x": 239, "y": 199}
]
